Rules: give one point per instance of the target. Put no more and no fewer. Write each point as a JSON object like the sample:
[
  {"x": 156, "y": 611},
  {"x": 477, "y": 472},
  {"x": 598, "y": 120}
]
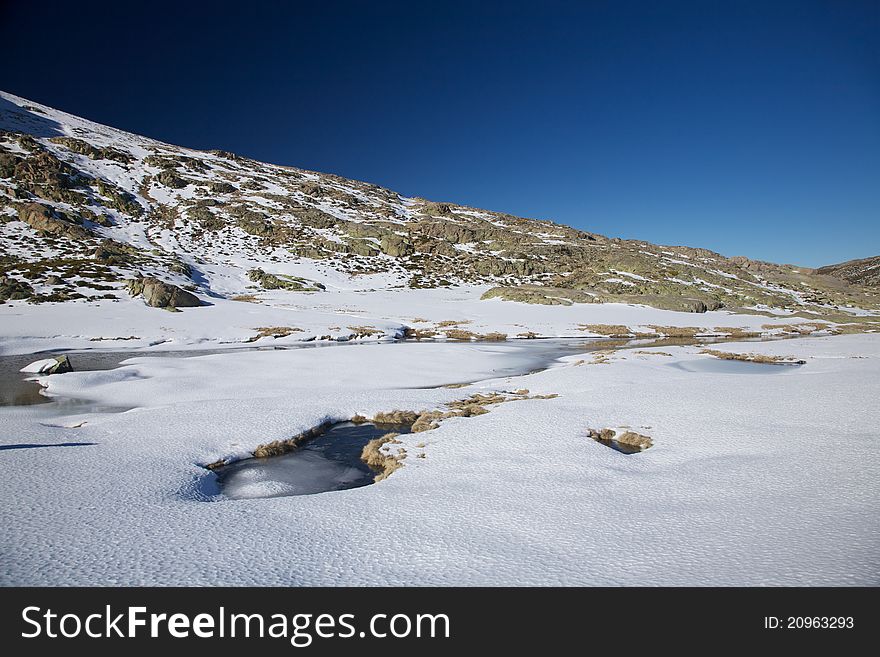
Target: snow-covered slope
[{"x": 85, "y": 207}]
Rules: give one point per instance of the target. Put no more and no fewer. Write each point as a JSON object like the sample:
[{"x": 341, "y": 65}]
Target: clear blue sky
[{"x": 745, "y": 127}]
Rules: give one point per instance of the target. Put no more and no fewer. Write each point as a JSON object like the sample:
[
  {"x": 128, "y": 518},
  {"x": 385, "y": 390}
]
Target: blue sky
[{"x": 750, "y": 128}]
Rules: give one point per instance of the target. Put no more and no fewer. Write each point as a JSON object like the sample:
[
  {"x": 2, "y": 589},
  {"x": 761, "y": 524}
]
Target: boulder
[
  {"x": 159, "y": 294},
  {"x": 54, "y": 365}
]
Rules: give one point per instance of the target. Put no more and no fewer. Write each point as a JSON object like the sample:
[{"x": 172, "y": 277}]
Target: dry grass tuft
[
  {"x": 609, "y": 330},
  {"x": 277, "y": 447},
  {"x": 624, "y": 437},
  {"x": 677, "y": 331},
  {"x": 247, "y": 298},
  {"x": 754, "y": 358},
  {"x": 395, "y": 418},
  {"x": 460, "y": 334},
  {"x": 273, "y": 332},
  {"x": 385, "y": 463},
  {"x": 418, "y": 334},
  {"x": 364, "y": 331},
  {"x": 736, "y": 332}
]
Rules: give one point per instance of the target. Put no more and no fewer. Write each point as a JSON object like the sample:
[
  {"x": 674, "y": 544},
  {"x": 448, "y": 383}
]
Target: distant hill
[
  {"x": 87, "y": 210},
  {"x": 860, "y": 272}
]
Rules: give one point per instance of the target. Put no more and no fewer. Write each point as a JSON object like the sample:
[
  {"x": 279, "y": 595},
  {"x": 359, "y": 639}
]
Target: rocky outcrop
[
  {"x": 170, "y": 178},
  {"x": 396, "y": 246},
  {"x": 93, "y": 152},
  {"x": 13, "y": 290},
  {"x": 546, "y": 296},
  {"x": 159, "y": 294},
  {"x": 47, "y": 221},
  {"x": 282, "y": 282}
]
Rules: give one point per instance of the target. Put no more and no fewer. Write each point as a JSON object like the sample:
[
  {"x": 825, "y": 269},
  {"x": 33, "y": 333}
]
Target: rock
[
  {"x": 12, "y": 289},
  {"x": 169, "y": 178},
  {"x": 159, "y": 294},
  {"x": 47, "y": 221},
  {"x": 396, "y": 246},
  {"x": 55, "y": 365},
  {"x": 222, "y": 188},
  {"x": 282, "y": 282}
]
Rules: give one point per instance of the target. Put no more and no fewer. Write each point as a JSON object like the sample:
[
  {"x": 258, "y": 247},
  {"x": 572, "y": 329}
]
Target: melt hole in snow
[{"x": 327, "y": 462}]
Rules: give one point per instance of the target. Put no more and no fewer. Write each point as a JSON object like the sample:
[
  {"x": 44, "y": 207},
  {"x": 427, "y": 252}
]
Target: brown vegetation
[
  {"x": 385, "y": 463},
  {"x": 754, "y": 358}
]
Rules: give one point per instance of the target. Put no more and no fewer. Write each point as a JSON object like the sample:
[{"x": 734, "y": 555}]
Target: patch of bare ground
[
  {"x": 528, "y": 335},
  {"x": 754, "y": 358},
  {"x": 452, "y": 322},
  {"x": 101, "y": 339},
  {"x": 273, "y": 332},
  {"x": 642, "y": 352},
  {"x": 621, "y": 436}
]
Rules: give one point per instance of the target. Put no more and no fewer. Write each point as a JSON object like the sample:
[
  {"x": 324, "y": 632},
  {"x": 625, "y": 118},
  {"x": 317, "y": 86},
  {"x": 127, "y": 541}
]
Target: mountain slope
[
  {"x": 86, "y": 209},
  {"x": 865, "y": 271}
]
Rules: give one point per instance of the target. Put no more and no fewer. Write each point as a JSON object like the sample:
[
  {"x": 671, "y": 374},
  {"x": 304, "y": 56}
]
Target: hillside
[
  {"x": 865, "y": 271},
  {"x": 92, "y": 213}
]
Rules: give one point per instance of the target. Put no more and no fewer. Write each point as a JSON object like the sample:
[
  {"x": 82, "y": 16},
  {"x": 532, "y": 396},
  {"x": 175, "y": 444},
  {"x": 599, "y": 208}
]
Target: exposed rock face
[
  {"x": 396, "y": 246},
  {"x": 547, "y": 296},
  {"x": 159, "y": 294},
  {"x": 44, "y": 219}
]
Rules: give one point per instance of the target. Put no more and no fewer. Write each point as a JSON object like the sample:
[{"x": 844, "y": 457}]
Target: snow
[
  {"x": 39, "y": 365},
  {"x": 26, "y": 328},
  {"x": 752, "y": 480},
  {"x": 767, "y": 479}
]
